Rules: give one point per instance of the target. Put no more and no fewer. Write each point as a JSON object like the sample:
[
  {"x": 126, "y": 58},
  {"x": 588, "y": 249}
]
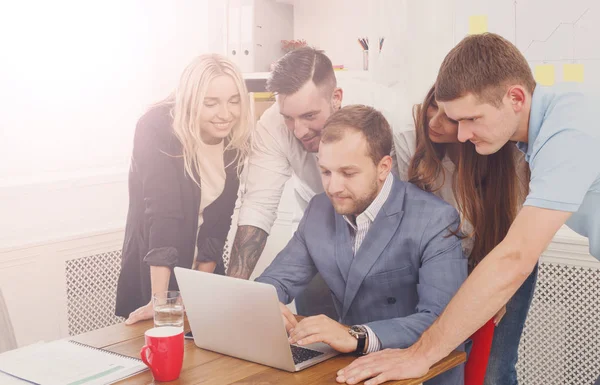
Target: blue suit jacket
[{"x": 402, "y": 277}]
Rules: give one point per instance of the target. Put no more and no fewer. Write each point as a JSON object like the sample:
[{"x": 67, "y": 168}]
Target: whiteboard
[{"x": 549, "y": 33}]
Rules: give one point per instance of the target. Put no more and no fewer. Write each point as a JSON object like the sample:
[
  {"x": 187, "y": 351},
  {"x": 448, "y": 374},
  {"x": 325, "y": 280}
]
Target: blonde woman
[{"x": 183, "y": 182}]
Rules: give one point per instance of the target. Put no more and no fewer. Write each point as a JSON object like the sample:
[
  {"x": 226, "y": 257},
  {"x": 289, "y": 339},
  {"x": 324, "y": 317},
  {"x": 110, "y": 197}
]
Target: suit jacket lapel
[{"x": 379, "y": 235}]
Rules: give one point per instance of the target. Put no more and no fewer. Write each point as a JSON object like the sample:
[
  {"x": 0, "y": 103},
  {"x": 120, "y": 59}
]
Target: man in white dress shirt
[{"x": 286, "y": 141}]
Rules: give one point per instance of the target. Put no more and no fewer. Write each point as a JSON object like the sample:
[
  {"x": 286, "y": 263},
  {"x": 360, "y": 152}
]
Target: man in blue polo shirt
[
  {"x": 563, "y": 152},
  {"x": 485, "y": 84}
]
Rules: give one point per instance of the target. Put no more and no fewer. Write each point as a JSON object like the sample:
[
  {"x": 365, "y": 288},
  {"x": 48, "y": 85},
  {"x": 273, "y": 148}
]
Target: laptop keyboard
[{"x": 301, "y": 354}]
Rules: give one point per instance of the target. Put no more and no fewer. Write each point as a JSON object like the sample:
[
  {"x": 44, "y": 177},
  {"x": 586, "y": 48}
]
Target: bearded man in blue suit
[{"x": 388, "y": 251}]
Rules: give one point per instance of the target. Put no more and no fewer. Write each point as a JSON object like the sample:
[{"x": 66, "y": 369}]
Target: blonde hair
[{"x": 188, "y": 101}]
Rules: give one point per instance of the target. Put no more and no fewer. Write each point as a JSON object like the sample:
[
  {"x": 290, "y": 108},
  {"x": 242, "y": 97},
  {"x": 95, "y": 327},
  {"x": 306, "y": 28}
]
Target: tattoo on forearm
[{"x": 247, "y": 247}]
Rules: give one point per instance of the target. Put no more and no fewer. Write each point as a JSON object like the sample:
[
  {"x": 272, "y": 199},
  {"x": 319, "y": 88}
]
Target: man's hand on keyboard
[
  {"x": 289, "y": 320},
  {"x": 321, "y": 328}
]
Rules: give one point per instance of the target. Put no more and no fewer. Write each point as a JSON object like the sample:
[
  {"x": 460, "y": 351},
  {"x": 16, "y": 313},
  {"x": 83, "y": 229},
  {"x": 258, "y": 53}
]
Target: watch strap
[{"x": 361, "y": 338}]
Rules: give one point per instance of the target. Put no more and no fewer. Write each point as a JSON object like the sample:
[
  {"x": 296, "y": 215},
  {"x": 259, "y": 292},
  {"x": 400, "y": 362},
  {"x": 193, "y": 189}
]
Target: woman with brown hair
[{"x": 487, "y": 191}]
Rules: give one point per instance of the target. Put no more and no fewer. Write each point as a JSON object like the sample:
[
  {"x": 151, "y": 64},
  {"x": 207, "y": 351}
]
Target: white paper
[
  {"x": 5, "y": 379},
  {"x": 66, "y": 363}
]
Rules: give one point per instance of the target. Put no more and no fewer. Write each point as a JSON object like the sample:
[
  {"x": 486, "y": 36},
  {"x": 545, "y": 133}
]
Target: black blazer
[{"x": 162, "y": 222}]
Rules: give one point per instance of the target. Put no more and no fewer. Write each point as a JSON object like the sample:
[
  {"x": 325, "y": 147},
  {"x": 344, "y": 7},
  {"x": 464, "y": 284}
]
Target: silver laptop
[{"x": 242, "y": 319}]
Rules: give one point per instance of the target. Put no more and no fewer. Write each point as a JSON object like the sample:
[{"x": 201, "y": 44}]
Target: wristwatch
[{"x": 360, "y": 333}]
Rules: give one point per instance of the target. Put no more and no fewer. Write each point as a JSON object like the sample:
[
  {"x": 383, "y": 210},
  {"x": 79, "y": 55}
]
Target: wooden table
[{"x": 206, "y": 367}]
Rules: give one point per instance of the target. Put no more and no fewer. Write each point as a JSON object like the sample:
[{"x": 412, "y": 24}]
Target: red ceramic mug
[{"x": 163, "y": 352}]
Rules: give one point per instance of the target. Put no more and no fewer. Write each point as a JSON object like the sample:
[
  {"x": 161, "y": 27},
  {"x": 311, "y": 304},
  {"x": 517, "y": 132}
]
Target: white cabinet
[{"x": 255, "y": 29}]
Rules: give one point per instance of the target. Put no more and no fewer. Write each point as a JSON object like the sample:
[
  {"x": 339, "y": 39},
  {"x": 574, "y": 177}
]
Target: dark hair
[
  {"x": 484, "y": 65},
  {"x": 298, "y": 67},
  {"x": 367, "y": 120},
  {"x": 487, "y": 188}
]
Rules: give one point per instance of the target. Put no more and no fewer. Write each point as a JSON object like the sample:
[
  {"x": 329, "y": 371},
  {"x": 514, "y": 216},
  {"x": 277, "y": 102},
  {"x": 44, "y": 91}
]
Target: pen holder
[{"x": 366, "y": 60}]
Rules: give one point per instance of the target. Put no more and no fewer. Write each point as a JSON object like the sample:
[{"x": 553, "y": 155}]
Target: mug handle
[{"x": 144, "y": 355}]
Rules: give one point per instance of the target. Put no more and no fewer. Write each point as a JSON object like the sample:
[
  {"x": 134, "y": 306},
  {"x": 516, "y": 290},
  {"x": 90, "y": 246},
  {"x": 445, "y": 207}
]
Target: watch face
[{"x": 358, "y": 331}]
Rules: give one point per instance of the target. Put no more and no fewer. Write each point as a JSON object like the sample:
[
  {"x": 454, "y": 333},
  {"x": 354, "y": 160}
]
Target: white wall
[
  {"x": 75, "y": 77},
  {"x": 418, "y": 34},
  {"x": 34, "y": 284}
]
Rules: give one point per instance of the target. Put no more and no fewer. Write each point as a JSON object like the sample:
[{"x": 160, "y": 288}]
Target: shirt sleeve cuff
[
  {"x": 374, "y": 343},
  {"x": 249, "y": 216},
  {"x": 162, "y": 256},
  {"x": 551, "y": 205}
]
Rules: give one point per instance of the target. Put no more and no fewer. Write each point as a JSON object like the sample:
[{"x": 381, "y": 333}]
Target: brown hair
[
  {"x": 298, "y": 67},
  {"x": 487, "y": 188},
  {"x": 484, "y": 65},
  {"x": 367, "y": 120}
]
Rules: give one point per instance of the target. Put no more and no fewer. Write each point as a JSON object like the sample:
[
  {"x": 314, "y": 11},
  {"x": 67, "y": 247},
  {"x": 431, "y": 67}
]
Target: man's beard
[
  {"x": 359, "y": 205},
  {"x": 314, "y": 148}
]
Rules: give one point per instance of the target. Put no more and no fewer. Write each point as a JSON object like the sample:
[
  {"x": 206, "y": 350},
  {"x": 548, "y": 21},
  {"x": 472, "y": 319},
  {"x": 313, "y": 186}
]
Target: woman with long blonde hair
[{"x": 183, "y": 182}]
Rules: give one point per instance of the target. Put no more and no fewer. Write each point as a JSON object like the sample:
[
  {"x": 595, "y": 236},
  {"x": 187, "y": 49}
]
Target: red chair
[{"x": 480, "y": 353}]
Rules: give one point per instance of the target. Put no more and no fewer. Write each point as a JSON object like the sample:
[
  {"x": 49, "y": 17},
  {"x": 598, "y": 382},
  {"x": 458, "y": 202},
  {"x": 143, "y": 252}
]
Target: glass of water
[{"x": 168, "y": 309}]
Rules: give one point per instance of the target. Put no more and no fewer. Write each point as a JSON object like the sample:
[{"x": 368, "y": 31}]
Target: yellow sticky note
[
  {"x": 478, "y": 24},
  {"x": 544, "y": 74},
  {"x": 573, "y": 73}
]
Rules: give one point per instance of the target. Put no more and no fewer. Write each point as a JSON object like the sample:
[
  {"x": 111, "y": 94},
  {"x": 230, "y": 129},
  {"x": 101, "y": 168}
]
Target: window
[{"x": 76, "y": 76}]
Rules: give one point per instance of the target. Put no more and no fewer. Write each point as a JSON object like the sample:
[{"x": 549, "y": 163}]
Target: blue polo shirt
[{"x": 563, "y": 152}]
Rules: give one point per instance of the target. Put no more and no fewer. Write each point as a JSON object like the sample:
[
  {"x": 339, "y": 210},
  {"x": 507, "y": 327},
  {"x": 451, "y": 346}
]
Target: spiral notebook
[{"x": 68, "y": 363}]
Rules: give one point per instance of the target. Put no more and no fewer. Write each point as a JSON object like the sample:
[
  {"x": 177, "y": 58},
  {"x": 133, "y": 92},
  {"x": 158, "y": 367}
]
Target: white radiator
[
  {"x": 561, "y": 340},
  {"x": 91, "y": 291}
]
